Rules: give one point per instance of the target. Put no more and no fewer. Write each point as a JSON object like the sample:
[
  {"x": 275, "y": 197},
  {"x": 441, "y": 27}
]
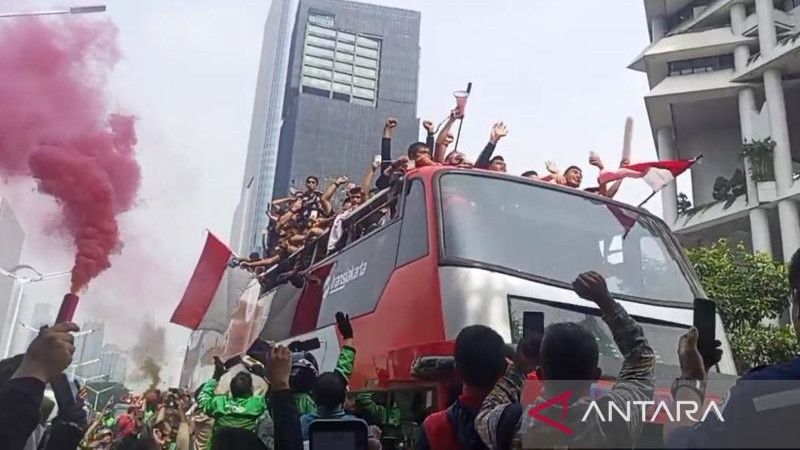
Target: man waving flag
[{"x": 656, "y": 174}]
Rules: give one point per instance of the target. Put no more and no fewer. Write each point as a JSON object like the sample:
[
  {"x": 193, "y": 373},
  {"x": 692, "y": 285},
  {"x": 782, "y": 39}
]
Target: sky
[{"x": 554, "y": 72}]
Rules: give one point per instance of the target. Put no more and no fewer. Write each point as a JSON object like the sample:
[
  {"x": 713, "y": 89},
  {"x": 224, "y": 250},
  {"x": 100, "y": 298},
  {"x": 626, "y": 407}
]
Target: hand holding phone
[{"x": 705, "y": 320}]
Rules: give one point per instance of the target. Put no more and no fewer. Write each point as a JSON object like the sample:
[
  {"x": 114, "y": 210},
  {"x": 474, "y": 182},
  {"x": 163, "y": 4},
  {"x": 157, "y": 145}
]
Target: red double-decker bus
[{"x": 446, "y": 248}]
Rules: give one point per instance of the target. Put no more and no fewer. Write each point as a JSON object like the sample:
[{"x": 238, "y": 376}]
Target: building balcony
[
  {"x": 717, "y": 41},
  {"x": 784, "y": 56},
  {"x": 715, "y": 14},
  {"x": 784, "y": 23},
  {"x": 713, "y": 214}
]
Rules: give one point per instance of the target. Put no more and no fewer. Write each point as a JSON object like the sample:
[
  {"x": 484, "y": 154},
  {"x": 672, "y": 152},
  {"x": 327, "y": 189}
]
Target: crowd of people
[
  {"x": 280, "y": 399},
  {"x": 309, "y": 215}
]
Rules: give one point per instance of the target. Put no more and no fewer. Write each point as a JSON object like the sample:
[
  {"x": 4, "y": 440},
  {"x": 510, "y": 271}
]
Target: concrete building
[
  {"x": 41, "y": 315},
  {"x": 12, "y": 238},
  {"x": 88, "y": 349},
  {"x": 724, "y": 72},
  {"x": 331, "y": 72},
  {"x": 113, "y": 364}
]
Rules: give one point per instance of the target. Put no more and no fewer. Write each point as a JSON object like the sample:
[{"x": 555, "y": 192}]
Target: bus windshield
[{"x": 554, "y": 236}]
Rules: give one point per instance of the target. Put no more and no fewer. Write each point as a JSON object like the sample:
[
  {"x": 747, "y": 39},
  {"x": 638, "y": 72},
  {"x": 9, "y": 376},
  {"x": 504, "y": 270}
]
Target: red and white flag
[
  {"x": 656, "y": 174},
  {"x": 213, "y": 291}
]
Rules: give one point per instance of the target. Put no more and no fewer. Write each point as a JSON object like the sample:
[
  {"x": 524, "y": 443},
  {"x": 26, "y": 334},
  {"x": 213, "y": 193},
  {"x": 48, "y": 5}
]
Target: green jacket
[
  {"x": 377, "y": 414},
  {"x": 228, "y": 411}
]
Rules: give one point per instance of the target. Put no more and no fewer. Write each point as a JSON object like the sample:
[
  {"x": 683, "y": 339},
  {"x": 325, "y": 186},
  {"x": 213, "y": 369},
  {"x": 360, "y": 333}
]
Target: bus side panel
[{"x": 408, "y": 314}]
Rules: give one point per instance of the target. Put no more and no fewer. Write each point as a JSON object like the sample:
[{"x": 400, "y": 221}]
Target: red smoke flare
[{"x": 54, "y": 126}]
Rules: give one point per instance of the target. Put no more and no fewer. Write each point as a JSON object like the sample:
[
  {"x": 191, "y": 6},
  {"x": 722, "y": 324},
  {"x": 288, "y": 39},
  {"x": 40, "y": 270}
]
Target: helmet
[{"x": 304, "y": 371}]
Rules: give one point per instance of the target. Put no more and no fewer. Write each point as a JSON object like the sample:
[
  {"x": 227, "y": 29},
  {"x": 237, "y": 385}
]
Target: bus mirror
[{"x": 434, "y": 368}]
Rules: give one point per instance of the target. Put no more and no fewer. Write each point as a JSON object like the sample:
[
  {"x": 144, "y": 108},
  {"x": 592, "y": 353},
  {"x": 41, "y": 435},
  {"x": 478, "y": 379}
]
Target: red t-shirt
[{"x": 438, "y": 429}]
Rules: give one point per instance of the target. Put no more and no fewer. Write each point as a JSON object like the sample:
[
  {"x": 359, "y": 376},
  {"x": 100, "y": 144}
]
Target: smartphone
[
  {"x": 233, "y": 361},
  {"x": 338, "y": 435},
  {"x": 705, "y": 320},
  {"x": 259, "y": 351},
  {"x": 305, "y": 346},
  {"x": 532, "y": 323}
]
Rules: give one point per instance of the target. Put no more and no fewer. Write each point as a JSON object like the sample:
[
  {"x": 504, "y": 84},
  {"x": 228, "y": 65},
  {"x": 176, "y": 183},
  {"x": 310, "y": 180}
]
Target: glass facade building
[{"x": 331, "y": 73}]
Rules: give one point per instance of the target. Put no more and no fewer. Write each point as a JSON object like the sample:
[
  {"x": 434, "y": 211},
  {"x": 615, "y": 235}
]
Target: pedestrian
[{"x": 568, "y": 365}]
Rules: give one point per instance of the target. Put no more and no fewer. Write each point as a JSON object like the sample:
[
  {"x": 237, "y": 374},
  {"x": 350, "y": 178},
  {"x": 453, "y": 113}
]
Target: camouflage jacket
[{"x": 634, "y": 383}]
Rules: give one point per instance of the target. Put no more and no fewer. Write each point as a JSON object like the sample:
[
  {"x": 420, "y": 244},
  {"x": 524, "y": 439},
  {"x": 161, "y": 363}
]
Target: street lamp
[
  {"x": 96, "y": 392},
  {"x": 74, "y": 367},
  {"x": 16, "y": 297},
  {"x": 51, "y": 12}
]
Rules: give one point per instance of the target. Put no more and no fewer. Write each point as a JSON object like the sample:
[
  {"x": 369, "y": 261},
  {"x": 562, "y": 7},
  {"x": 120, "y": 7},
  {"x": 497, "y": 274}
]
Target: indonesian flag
[
  {"x": 214, "y": 289},
  {"x": 656, "y": 174}
]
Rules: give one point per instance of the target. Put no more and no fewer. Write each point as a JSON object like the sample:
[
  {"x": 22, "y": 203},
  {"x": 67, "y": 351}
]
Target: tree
[{"x": 749, "y": 290}]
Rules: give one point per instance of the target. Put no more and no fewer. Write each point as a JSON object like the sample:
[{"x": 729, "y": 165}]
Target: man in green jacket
[
  {"x": 239, "y": 409},
  {"x": 305, "y": 369}
]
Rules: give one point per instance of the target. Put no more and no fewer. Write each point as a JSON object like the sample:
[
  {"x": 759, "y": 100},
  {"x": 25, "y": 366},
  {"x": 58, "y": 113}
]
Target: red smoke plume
[{"x": 55, "y": 127}]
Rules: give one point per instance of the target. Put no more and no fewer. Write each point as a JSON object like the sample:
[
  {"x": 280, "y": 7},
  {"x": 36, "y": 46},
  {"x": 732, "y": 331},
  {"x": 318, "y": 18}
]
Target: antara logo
[
  {"x": 650, "y": 410},
  {"x": 337, "y": 282}
]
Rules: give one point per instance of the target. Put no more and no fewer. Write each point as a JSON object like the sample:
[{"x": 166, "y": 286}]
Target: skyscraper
[
  {"x": 331, "y": 72},
  {"x": 113, "y": 363},
  {"x": 722, "y": 73},
  {"x": 42, "y": 315},
  {"x": 12, "y": 236},
  {"x": 88, "y": 348}
]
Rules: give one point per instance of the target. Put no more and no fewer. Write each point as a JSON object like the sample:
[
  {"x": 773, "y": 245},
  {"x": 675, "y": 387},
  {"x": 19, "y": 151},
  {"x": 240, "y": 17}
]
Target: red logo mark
[{"x": 560, "y": 399}]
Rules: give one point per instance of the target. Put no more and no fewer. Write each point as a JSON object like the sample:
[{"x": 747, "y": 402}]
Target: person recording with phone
[{"x": 761, "y": 409}]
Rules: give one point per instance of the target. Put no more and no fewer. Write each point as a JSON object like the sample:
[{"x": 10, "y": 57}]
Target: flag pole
[
  {"x": 696, "y": 158},
  {"x": 652, "y": 194},
  {"x": 460, "y": 123}
]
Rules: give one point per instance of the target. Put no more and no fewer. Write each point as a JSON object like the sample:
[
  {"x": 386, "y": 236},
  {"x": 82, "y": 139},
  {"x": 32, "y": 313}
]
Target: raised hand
[
  {"x": 691, "y": 361},
  {"x": 594, "y": 159},
  {"x": 49, "y": 354},
  {"x": 552, "y": 167},
  {"x": 456, "y": 114},
  {"x": 428, "y": 125},
  {"x": 499, "y": 131},
  {"x": 279, "y": 366},
  {"x": 592, "y": 286},
  {"x": 342, "y": 180},
  {"x": 344, "y": 326},
  {"x": 219, "y": 368},
  {"x": 391, "y": 122}
]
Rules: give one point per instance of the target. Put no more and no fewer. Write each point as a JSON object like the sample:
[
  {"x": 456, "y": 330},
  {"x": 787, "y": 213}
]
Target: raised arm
[
  {"x": 501, "y": 410},
  {"x": 499, "y": 131},
  {"x": 635, "y": 380},
  {"x": 429, "y": 139},
  {"x": 328, "y": 195},
  {"x": 287, "y": 431},
  {"x": 441, "y": 145},
  {"x": 347, "y": 356},
  {"x": 278, "y": 202},
  {"x": 386, "y": 141},
  {"x": 369, "y": 175}
]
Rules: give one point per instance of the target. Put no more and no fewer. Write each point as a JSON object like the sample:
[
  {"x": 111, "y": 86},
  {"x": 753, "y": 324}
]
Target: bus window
[
  {"x": 555, "y": 235},
  {"x": 414, "y": 234}
]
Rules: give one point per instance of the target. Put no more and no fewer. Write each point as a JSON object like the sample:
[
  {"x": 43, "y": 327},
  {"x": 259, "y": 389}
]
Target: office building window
[
  {"x": 700, "y": 65},
  {"x": 789, "y": 5},
  {"x": 685, "y": 13},
  {"x": 342, "y": 65}
]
